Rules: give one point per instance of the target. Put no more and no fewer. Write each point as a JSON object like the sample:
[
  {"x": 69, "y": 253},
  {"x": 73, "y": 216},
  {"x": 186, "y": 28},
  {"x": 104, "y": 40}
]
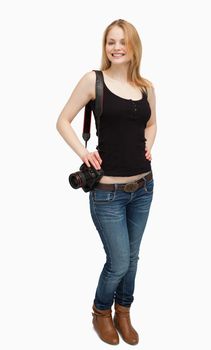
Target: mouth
[{"x": 118, "y": 54}]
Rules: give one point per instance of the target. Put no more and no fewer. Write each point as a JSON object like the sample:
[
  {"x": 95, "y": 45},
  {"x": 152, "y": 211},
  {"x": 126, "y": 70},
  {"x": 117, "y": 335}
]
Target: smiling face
[{"x": 116, "y": 48}]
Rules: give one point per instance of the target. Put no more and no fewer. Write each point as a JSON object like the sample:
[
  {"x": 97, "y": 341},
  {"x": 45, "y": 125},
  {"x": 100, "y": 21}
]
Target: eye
[{"x": 112, "y": 42}]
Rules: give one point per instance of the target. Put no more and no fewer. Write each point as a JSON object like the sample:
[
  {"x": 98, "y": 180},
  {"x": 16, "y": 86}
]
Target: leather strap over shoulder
[
  {"x": 99, "y": 94},
  {"x": 96, "y": 107}
]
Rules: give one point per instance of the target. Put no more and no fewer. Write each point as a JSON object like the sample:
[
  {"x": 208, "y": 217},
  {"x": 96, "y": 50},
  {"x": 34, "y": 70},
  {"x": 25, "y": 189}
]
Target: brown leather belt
[{"x": 127, "y": 187}]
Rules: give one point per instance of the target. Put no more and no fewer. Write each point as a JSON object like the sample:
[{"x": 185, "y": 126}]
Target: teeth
[{"x": 118, "y": 54}]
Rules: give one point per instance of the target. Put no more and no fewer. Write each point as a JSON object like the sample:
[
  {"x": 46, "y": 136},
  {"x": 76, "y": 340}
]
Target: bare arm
[
  {"x": 151, "y": 127},
  {"x": 81, "y": 95}
]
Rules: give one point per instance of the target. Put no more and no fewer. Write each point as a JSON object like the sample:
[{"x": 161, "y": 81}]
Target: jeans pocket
[
  {"x": 102, "y": 196},
  {"x": 149, "y": 186}
]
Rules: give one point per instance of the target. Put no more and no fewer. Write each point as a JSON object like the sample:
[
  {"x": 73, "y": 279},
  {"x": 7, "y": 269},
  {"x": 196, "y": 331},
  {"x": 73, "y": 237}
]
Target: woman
[{"x": 121, "y": 201}]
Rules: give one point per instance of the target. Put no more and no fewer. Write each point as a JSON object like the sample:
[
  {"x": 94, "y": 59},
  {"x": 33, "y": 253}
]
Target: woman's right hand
[{"x": 92, "y": 158}]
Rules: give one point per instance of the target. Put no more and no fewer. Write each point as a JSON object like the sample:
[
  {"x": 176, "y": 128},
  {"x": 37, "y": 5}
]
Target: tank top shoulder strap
[{"x": 144, "y": 91}]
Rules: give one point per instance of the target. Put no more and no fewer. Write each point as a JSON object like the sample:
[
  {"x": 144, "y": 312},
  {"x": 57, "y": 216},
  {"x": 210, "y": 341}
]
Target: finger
[
  {"x": 84, "y": 158},
  {"x": 87, "y": 162},
  {"x": 97, "y": 160},
  {"x": 98, "y": 157},
  {"x": 94, "y": 162}
]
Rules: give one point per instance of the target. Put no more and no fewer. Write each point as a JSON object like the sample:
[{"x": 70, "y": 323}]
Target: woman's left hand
[{"x": 148, "y": 154}]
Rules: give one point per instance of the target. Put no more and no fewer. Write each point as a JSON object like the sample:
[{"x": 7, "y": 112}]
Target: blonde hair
[{"x": 133, "y": 42}]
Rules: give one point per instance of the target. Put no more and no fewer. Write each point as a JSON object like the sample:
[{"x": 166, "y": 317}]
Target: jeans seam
[
  {"x": 123, "y": 287},
  {"x": 99, "y": 223}
]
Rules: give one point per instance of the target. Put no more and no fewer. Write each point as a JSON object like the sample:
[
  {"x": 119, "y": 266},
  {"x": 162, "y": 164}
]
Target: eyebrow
[{"x": 114, "y": 39}]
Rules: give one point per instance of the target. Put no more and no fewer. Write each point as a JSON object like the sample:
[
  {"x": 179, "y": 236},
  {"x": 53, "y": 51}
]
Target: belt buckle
[{"x": 131, "y": 187}]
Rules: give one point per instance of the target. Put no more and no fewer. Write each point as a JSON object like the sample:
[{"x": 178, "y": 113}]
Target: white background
[{"x": 50, "y": 253}]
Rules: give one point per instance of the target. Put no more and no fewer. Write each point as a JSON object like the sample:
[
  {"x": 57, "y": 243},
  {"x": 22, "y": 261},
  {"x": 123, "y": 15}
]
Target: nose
[{"x": 117, "y": 46}]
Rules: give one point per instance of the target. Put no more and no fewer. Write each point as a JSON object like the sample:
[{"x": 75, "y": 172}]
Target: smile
[{"x": 118, "y": 54}]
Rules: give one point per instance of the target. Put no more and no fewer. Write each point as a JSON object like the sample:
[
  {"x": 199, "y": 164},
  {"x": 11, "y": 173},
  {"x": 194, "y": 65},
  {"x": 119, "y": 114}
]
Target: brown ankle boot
[
  {"x": 103, "y": 324},
  {"x": 123, "y": 324}
]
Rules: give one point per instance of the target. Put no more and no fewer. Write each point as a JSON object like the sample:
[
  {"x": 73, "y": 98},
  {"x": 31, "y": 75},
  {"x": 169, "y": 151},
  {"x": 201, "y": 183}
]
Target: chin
[{"x": 119, "y": 61}]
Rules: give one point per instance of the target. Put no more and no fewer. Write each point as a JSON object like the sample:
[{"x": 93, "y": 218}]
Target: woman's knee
[{"x": 120, "y": 269}]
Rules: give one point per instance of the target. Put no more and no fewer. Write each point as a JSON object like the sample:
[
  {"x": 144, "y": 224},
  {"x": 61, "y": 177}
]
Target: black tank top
[{"x": 121, "y": 141}]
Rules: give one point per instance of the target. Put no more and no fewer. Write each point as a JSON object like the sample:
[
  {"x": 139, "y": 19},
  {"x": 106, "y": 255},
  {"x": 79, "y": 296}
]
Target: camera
[{"x": 86, "y": 177}]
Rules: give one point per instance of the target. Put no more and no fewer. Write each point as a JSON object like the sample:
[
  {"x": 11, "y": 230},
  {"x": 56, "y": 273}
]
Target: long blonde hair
[{"x": 133, "y": 42}]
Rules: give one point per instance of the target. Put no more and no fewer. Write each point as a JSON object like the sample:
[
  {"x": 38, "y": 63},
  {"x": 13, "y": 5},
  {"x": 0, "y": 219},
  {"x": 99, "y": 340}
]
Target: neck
[{"x": 118, "y": 72}]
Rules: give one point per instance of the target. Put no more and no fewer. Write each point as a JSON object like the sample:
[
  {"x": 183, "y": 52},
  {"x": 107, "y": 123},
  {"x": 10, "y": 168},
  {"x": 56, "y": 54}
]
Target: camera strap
[{"x": 97, "y": 108}]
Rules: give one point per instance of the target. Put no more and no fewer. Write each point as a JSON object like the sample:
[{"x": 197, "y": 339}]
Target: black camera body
[{"x": 86, "y": 177}]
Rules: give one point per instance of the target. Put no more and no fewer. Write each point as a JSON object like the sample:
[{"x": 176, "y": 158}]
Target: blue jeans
[{"x": 120, "y": 218}]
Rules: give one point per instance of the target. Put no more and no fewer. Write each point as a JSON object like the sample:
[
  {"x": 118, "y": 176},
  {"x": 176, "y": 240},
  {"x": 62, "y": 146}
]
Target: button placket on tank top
[{"x": 134, "y": 108}]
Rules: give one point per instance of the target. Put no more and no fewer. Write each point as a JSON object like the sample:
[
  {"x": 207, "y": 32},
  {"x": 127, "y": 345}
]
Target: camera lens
[{"x": 76, "y": 180}]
